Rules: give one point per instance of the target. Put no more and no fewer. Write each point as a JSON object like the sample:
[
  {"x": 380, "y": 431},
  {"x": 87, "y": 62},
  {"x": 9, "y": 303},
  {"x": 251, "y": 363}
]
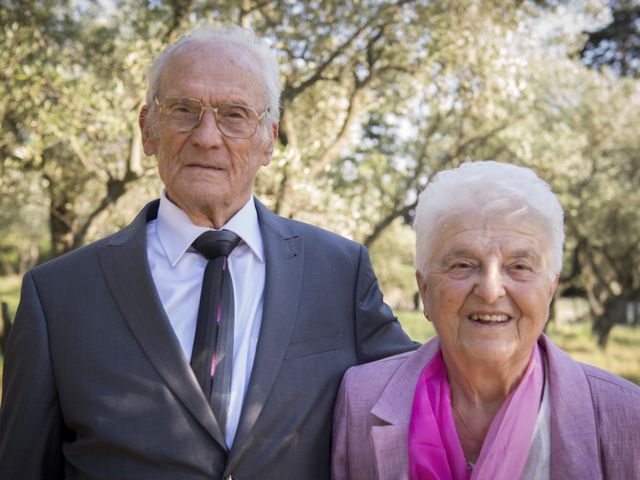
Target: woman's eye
[{"x": 520, "y": 269}]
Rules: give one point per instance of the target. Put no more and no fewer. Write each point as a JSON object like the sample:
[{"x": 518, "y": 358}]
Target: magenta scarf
[{"x": 435, "y": 451}]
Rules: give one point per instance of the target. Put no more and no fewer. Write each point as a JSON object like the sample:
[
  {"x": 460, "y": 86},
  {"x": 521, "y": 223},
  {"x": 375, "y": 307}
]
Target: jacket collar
[{"x": 393, "y": 407}]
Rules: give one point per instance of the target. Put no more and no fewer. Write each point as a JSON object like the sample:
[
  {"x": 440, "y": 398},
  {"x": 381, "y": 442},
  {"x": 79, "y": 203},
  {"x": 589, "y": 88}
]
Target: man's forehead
[
  {"x": 221, "y": 48},
  {"x": 222, "y": 68}
]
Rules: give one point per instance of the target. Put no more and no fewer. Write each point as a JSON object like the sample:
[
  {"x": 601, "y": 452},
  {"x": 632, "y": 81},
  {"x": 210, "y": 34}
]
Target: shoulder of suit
[
  {"x": 598, "y": 378},
  {"x": 374, "y": 375},
  {"x": 315, "y": 233},
  {"x": 608, "y": 384},
  {"x": 616, "y": 407},
  {"x": 82, "y": 254},
  {"x": 379, "y": 369},
  {"x": 74, "y": 257},
  {"x": 310, "y": 229}
]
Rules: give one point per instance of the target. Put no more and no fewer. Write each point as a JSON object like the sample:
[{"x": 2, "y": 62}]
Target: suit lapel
[
  {"x": 574, "y": 435},
  {"x": 283, "y": 284},
  {"x": 393, "y": 407},
  {"x": 126, "y": 269}
]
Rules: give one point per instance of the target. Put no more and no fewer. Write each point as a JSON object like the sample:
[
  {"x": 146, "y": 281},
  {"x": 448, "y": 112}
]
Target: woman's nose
[{"x": 490, "y": 286}]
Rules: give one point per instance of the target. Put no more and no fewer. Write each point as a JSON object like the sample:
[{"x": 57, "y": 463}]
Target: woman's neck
[{"x": 478, "y": 390}]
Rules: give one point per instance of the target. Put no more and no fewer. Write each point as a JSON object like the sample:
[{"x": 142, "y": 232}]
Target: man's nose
[
  {"x": 490, "y": 284},
  {"x": 207, "y": 134}
]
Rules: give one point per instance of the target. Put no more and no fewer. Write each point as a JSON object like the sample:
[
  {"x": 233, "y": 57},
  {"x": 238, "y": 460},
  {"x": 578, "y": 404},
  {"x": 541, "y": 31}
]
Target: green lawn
[
  {"x": 9, "y": 293},
  {"x": 622, "y": 356}
]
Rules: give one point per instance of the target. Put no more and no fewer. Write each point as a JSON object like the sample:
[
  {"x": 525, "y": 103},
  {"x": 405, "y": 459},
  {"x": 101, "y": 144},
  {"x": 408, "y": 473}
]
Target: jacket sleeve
[
  {"x": 378, "y": 332},
  {"x": 30, "y": 419}
]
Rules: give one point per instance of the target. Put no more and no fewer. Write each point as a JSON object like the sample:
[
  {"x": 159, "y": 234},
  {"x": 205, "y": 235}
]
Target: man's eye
[
  {"x": 234, "y": 113},
  {"x": 180, "y": 109}
]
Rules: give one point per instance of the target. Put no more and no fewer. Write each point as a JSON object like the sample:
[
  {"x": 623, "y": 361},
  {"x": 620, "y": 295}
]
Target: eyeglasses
[{"x": 185, "y": 115}]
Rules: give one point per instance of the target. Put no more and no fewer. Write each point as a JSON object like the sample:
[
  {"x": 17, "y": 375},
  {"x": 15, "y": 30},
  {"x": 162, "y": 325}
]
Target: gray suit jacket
[
  {"x": 96, "y": 385},
  {"x": 595, "y": 419}
]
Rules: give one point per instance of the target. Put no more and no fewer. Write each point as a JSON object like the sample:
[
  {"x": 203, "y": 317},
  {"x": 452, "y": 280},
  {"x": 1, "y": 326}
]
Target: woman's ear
[{"x": 422, "y": 289}]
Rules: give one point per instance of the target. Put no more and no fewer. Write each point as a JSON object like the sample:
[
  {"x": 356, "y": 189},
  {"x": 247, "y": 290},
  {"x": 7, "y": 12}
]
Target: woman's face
[{"x": 488, "y": 288}]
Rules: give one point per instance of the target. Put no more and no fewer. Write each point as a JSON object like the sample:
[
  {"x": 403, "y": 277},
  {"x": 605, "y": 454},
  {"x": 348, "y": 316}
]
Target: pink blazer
[{"x": 595, "y": 418}]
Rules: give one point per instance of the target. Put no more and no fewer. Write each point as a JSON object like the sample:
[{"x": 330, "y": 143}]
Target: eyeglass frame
[{"x": 215, "y": 108}]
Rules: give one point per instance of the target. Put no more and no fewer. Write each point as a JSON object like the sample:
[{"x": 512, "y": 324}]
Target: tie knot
[{"x": 216, "y": 244}]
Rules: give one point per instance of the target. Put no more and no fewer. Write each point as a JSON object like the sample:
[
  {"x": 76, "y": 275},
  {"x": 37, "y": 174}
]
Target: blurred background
[{"x": 377, "y": 96}]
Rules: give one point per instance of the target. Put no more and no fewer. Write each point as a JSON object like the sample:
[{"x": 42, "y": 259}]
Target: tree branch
[{"x": 181, "y": 9}]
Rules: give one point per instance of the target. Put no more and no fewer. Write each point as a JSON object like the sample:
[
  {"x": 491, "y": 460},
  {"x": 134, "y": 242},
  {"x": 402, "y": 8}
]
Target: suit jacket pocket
[{"x": 314, "y": 346}]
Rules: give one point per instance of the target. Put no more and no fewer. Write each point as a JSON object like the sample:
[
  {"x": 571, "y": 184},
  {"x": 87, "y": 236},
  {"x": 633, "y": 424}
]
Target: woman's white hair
[
  {"x": 490, "y": 189},
  {"x": 264, "y": 56}
]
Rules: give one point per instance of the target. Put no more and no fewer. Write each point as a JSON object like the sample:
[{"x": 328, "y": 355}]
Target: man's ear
[
  {"x": 148, "y": 132},
  {"x": 271, "y": 142}
]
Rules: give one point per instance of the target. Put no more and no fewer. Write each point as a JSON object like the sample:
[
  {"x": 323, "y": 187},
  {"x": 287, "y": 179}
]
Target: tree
[
  {"x": 579, "y": 140},
  {"x": 72, "y": 118},
  {"x": 378, "y": 95}
]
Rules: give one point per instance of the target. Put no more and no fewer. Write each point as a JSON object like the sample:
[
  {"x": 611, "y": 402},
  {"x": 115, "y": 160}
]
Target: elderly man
[
  {"x": 491, "y": 397},
  {"x": 206, "y": 339}
]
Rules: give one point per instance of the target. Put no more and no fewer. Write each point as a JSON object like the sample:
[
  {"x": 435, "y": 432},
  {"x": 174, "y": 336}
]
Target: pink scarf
[{"x": 435, "y": 451}]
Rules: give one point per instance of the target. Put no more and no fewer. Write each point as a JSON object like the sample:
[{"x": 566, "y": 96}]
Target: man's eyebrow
[
  {"x": 525, "y": 253},
  {"x": 456, "y": 253}
]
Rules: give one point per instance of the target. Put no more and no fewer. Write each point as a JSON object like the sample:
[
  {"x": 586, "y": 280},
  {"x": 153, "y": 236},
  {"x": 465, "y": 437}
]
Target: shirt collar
[{"x": 177, "y": 232}]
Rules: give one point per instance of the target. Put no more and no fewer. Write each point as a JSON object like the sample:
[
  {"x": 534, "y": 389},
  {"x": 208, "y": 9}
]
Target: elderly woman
[{"x": 491, "y": 397}]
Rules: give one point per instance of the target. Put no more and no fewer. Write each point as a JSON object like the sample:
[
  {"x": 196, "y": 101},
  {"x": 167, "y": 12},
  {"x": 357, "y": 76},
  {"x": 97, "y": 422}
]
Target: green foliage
[
  {"x": 75, "y": 81},
  {"x": 392, "y": 257}
]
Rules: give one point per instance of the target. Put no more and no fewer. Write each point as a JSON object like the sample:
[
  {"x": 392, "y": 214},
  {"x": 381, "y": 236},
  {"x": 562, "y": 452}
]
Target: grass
[
  {"x": 10, "y": 291},
  {"x": 622, "y": 356}
]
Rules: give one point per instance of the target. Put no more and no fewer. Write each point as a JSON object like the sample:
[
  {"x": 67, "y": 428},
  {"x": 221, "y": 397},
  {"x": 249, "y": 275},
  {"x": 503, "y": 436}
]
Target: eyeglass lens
[{"x": 235, "y": 121}]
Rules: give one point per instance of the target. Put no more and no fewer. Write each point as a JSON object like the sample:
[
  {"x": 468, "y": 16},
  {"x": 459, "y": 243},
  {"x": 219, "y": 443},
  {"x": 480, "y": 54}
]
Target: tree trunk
[
  {"x": 614, "y": 313},
  {"x": 6, "y": 327},
  {"x": 602, "y": 326},
  {"x": 61, "y": 221}
]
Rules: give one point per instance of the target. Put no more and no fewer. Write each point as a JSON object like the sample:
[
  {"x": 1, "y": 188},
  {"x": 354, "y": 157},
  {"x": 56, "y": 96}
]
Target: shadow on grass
[
  {"x": 579, "y": 349},
  {"x": 626, "y": 341},
  {"x": 633, "y": 378}
]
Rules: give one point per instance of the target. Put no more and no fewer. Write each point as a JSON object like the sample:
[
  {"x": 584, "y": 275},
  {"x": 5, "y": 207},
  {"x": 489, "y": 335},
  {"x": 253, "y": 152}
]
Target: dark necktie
[{"x": 212, "y": 354}]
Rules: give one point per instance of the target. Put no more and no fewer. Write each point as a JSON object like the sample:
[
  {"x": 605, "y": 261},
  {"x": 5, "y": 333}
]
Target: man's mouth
[{"x": 205, "y": 167}]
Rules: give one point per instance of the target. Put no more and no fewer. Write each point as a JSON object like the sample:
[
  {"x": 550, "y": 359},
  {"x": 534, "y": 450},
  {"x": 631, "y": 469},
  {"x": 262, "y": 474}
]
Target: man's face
[
  {"x": 202, "y": 170},
  {"x": 488, "y": 288}
]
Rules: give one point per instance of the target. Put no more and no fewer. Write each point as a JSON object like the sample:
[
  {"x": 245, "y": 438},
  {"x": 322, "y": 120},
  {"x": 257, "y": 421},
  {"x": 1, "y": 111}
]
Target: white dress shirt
[
  {"x": 177, "y": 270},
  {"x": 538, "y": 465}
]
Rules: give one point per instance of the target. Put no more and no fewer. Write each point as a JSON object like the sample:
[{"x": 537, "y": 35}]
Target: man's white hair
[
  {"x": 489, "y": 189},
  {"x": 264, "y": 56}
]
